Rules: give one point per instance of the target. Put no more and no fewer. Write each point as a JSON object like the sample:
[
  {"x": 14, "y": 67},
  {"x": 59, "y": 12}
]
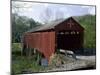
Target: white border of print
[{"x": 5, "y": 37}]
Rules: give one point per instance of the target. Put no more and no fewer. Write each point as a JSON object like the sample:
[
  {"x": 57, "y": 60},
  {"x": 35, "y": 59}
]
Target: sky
[{"x": 43, "y": 12}]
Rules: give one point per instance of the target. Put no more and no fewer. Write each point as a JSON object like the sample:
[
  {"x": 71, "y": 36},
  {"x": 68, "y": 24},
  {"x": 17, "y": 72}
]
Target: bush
[
  {"x": 23, "y": 64},
  {"x": 55, "y": 60},
  {"x": 16, "y": 47}
]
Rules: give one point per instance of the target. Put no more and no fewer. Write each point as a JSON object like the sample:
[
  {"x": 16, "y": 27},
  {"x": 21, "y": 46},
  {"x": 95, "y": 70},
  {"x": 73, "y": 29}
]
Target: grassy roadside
[{"x": 22, "y": 64}]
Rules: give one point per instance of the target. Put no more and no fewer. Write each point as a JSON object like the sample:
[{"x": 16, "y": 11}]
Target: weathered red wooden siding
[
  {"x": 44, "y": 39},
  {"x": 44, "y": 42},
  {"x": 64, "y": 26}
]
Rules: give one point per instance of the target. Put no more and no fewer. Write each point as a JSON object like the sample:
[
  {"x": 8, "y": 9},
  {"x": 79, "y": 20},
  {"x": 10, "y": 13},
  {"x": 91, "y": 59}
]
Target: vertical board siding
[{"x": 44, "y": 42}]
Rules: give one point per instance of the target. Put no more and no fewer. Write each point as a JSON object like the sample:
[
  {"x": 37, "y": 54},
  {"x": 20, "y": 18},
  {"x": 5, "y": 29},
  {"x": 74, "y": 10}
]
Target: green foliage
[
  {"x": 16, "y": 47},
  {"x": 89, "y": 24},
  {"x": 21, "y": 24},
  {"x": 23, "y": 63}
]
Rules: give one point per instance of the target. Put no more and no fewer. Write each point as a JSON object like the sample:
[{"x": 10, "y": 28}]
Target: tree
[
  {"x": 50, "y": 15},
  {"x": 21, "y": 24}
]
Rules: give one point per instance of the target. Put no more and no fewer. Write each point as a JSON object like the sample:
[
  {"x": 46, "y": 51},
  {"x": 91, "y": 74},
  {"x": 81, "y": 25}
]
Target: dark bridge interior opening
[{"x": 69, "y": 40}]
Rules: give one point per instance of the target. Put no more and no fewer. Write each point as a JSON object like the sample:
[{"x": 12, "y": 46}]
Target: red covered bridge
[{"x": 60, "y": 34}]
